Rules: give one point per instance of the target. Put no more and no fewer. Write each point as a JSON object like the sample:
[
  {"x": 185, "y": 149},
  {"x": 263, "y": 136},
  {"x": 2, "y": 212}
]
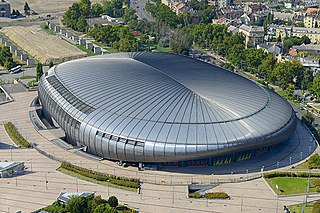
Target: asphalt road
[{"x": 139, "y": 6}]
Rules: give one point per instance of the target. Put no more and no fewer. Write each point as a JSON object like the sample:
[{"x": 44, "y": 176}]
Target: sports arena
[{"x": 163, "y": 108}]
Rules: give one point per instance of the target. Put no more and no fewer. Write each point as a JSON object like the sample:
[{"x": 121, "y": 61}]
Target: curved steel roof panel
[{"x": 165, "y": 107}]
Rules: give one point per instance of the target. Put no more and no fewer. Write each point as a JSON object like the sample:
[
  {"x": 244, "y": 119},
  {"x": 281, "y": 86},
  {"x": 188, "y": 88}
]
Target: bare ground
[
  {"x": 42, "y": 46},
  {"x": 44, "y": 6}
]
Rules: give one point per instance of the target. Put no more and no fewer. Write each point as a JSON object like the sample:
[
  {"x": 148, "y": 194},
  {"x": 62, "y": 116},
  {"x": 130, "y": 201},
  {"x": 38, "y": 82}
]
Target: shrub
[
  {"x": 120, "y": 181},
  {"x": 15, "y": 135},
  {"x": 217, "y": 195},
  {"x": 316, "y": 207},
  {"x": 113, "y": 201},
  {"x": 194, "y": 195},
  {"x": 290, "y": 174}
]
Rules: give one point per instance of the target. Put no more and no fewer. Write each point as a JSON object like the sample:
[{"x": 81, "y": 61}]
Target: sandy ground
[
  {"x": 44, "y": 6},
  {"x": 41, "y": 45}
]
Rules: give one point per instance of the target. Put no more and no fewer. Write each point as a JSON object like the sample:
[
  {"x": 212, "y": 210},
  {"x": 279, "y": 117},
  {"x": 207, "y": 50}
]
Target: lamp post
[
  {"x": 300, "y": 155},
  {"x": 108, "y": 188},
  {"x": 278, "y": 164},
  {"x": 77, "y": 184},
  {"x": 11, "y": 153},
  {"x": 290, "y": 159}
]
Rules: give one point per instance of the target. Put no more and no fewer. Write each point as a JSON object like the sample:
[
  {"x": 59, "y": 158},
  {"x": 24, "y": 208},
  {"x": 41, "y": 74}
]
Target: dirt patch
[
  {"x": 44, "y": 6},
  {"x": 42, "y": 46}
]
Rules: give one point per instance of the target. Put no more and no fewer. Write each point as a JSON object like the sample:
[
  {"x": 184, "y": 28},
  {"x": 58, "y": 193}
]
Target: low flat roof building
[{"x": 8, "y": 169}]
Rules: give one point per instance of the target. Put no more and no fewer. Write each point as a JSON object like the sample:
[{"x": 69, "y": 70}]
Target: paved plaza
[{"x": 30, "y": 192}]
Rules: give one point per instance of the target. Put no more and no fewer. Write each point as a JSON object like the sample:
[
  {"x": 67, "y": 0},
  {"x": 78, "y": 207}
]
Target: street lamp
[
  {"x": 11, "y": 153},
  {"x": 278, "y": 164},
  {"x": 30, "y": 160},
  {"x": 108, "y": 188},
  {"x": 77, "y": 184},
  {"x": 290, "y": 159},
  {"x": 300, "y": 155}
]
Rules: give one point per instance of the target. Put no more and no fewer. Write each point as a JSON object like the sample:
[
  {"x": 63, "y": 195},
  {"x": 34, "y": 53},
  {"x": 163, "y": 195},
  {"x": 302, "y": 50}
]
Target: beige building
[
  {"x": 254, "y": 35},
  {"x": 311, "y": 21},
  {"x": 312, "y": 33}
]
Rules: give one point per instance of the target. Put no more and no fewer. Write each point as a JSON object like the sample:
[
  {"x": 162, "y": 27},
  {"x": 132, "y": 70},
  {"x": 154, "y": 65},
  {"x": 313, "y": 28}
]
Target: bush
[
  {"x": 120, "y": 181},
  {"x": 15, "y": 135},
  {"x": 316, "y": 207},
  {"x": 194, "y": 195},
  {"x": 290, "y": 174},
  {"x": 113, "y": 201},
  {"x": 217, "y": 195}
]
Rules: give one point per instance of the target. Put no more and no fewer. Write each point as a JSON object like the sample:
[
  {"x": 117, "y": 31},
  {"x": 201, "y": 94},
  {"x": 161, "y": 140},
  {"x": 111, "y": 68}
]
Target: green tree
[
  {"x": 101, "y": 208},
  {"x": 315, "y": 89},
  {"x": 56, "y": 207},
  {"x": 39, "y": 71},
  {"x": 6, "y": 59},
  {"x": 129, "y": 15},
  {"x": 96, "y": 10},
  {"x": 254, "y": 58},
  {"x": 309, "y": 117},
  {"x": 236, "y": 55},
  {"x": 97, "y": 201},
  {"x": 307, "y": 80},
  {"x": 181, "y": 42},
  {"x": 266, "y": 67},
  {"x": 51, "y": 64},
  {"x": 76, "y": 204},
  {"x": 113, "y": 201}
]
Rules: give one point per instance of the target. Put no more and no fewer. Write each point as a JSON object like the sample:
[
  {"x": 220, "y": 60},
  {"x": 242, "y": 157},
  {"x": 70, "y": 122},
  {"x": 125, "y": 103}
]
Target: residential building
[
  {"x": 8, "y": 169},
  {"x": 311, "y": 21},
  {"x": 312, "y": 10},
  {"x": 230, "y": 13},
  {"x": 222, "y": 20},
  {"x": 283, "y": 16},
  {"x": 273, "y": 48},
  {"x": 224, "y": 3},
  {"x": 5, "y": 10},
  {"x": 287, "y": 31},
  {"x": 254, "y": 35},
  {"x": 309, "y": 48}
]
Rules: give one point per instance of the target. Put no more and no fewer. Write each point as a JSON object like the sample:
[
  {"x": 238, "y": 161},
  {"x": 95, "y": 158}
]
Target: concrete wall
[
  {"x": 89, "y": 45},
  {"x": 18, "y": 53},
  {"x": 13, "y": 48},
  {"x": 31, "y": 62},
  {"x": 97, "y": 50},
  {"x": 82, "y": 42},
  {"x": 23, "y": 57}
]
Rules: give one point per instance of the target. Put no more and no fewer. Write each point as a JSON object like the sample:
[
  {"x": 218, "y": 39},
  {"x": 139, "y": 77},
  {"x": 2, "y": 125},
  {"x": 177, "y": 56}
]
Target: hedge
[
  {"x": 15, "y": 135},
  {"x": 210, "y": 195},
  {"x": 290, "y": 174},
  {"x": 217, "y": 195},
  {"x": 120, "y": 181}
]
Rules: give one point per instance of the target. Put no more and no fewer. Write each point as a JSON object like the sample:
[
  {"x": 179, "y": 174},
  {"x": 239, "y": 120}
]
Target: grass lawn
[
  {"x": 290, "y": 185},
  {"x": 298, "y": 208},
  {"x": 163, "y": 49},
  {"x": 104, "y": 183},
  {"x": 84, "y": 49},
  {"x": 27, "y": 77},
  {"x": 48, "y": 30},
  {"x": 112, "y": 50},
  {"x": 303, "y": 166}
]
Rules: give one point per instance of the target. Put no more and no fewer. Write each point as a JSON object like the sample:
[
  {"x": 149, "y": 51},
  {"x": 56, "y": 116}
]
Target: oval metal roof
[{"x": 169, "y": 98}]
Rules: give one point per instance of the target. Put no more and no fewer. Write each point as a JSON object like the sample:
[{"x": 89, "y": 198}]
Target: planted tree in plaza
[
  {"x": 113, "y": 201},
  {"x": 51, "y": 64},
  {"x": 39, "y": 71}
]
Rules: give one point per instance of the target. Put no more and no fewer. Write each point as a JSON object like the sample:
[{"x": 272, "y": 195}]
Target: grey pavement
[{"x": 155, "y": 198}]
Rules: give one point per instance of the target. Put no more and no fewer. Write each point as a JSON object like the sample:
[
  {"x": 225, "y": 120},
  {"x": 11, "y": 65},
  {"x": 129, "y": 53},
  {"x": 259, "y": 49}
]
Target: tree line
[{"x": 75, "y": 17}]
